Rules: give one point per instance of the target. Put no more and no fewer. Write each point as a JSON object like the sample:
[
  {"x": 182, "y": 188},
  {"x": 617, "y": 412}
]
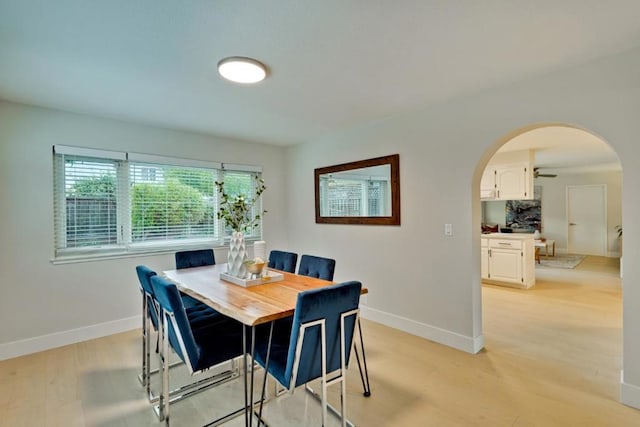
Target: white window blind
[
  {"x": 172, "y": 202},
  {"x": 111, "y": 203},
  {"x": 86, "y": 202}
]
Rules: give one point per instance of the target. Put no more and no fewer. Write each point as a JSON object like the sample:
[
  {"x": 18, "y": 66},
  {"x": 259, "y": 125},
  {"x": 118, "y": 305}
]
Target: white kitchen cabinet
[
  {"x": 508, "y": 176},
  {"x": 509, "y": 182},
  {"x": 484, "y": 258},
  {"x": 508, "y": 259},
  {"x": 488, "y": 184},
  {"x": 514, "y": 182}
]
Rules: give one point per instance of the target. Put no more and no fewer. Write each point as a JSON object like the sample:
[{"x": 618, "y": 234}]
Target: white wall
[
  {"x": 45, "y": 305},
  {"x": 425, "y": 282},
  {"x": 554, "y": 206}
]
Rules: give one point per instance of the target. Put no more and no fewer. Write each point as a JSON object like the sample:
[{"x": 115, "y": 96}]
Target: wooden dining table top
[{"x": 252, "y": 305}]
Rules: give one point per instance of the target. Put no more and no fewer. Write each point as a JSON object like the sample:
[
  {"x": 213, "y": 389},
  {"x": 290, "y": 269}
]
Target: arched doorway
[{"x": 565, "y": 313}]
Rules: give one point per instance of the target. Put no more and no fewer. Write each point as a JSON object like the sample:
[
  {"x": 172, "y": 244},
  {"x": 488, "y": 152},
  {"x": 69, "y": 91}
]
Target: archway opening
[{"x": 563, "y": 325}]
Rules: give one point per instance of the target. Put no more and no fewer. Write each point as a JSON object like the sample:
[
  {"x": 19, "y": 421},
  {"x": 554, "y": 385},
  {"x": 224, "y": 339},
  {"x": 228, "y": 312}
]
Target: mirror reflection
[
  {"x": 357, "y": 192},
  {"x": 362, "y": 192}
]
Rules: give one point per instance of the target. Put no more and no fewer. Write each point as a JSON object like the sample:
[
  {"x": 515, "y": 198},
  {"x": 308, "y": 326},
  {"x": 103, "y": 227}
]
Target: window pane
[
  {"x": 90, "y": 202},
  {"x": 169, "y": 202}
]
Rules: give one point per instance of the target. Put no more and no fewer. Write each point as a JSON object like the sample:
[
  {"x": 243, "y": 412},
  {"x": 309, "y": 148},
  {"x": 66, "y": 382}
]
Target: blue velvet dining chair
[
  {"x": 315, "y": 266},
  {"x": 202, "y": 339},
  {"x": 323, "y": 268},
  {"x": 318, "y": 344},
  {"x": 196, "y": 258},
  {"x": 151, "y": 321},
  {"x": 283, "y": 261},
  {"x": 190, "y": 259}
]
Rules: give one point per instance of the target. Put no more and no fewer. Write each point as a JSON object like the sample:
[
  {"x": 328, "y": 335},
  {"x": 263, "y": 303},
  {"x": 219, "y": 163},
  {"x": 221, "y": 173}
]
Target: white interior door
[{"x": 587, "y": 219}]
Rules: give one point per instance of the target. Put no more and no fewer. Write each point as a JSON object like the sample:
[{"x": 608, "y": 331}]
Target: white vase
[
  {"x": 536, "y": 234},
  {"x": 237, "y": 255}
]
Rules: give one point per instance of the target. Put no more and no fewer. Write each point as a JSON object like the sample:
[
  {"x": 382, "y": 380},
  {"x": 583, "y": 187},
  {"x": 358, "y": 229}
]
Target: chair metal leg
[
  {"x": 323, "y": 355},
  {"x": 153, "y": 398},
  {"x": 171, "y": 396},
  {"x": 189, "y": 390},
  {"x": 364, "y": 373},
  {"x": 330, "y": 407},
  {"x": 163, "y": 403},
  {"x": 147, "y": 372},
  {"x": 144, "y": 376}
]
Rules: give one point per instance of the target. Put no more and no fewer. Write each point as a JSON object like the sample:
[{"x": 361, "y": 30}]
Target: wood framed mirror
[{"x": 362, "y": 192}]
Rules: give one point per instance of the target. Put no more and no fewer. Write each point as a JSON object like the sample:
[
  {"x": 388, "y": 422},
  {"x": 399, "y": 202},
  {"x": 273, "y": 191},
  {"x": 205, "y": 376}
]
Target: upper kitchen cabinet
[
  {"x": 514, "y": 182},
  {"x": 488, "y": 184},
  {"x": 508, "y": 176}
]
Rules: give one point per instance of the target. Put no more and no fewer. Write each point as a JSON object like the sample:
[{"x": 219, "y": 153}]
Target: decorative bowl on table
[{"x": 255, "y": 267}]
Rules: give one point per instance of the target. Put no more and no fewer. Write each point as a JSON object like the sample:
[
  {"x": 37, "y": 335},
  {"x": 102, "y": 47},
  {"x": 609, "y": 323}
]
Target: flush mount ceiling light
[{"x": 242, "y": 70}]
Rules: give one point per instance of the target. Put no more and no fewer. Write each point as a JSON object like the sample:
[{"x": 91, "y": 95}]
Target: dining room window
[{"x": 110, "y": 203}]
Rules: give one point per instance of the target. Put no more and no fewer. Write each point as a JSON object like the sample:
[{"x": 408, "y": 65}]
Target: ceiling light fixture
[{"x": 242, "y": 70}]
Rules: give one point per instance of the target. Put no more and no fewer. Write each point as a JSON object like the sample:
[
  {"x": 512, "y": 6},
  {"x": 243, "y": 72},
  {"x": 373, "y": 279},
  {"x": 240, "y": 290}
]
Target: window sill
[{"x": 90, "y": 256}]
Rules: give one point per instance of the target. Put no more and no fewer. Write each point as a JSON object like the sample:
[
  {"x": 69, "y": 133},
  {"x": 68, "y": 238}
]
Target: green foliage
[
  {"x": 170, "y": 204},
  {"x": 237, "y": 184},
  {"x": 202, "y": 180},
  {"x": 98, "y": 187},
  {"x": 181, "y": 200},
  {"x": 236, "y": 206}
]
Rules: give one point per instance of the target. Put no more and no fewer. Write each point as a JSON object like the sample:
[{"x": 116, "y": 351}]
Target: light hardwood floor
[{"x": 552, "y": 357}]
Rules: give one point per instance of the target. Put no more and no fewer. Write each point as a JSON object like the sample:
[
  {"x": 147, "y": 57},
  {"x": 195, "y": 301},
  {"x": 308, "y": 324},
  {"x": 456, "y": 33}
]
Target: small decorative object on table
[
  {"x": 267, "y": 276},
  {"x": 238, "y": 213},
  {"x": 254, "y": 267}
]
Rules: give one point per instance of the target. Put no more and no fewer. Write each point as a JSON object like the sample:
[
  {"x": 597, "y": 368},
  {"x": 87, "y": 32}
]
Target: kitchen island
[{"x": 508, "y": 259}]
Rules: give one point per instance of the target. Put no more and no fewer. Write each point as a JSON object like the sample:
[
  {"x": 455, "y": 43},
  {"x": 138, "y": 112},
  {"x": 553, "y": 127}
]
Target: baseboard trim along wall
[
  {"x": 59, "y": 339},
  {"x": 432, "y": 333},
  {"x": 629, "y": 394}
]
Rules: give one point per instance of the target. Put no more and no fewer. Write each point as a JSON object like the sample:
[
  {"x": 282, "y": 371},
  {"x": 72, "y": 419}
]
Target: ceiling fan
[{"x": 537, "y": 174}]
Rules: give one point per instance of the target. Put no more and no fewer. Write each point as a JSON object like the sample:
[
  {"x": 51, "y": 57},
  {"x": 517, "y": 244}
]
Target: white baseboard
[
  {"x": 629, "y": 394},
  {"x": 432, "y": 333},
  {"x": 58, "y": 339}
]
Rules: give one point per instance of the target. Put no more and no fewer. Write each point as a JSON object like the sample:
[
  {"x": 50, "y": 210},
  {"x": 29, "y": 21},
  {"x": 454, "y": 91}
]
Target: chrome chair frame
[
  {"x": 362, "y": 365},
  {"x": 166, "y": 396},
  {"x": 340, "y": 374},
  {"x": 145, "y": 376}
]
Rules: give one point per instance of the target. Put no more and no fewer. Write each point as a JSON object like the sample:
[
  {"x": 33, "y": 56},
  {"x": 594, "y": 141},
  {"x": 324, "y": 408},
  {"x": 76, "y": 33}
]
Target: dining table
[{"x": 274, "y": 298}]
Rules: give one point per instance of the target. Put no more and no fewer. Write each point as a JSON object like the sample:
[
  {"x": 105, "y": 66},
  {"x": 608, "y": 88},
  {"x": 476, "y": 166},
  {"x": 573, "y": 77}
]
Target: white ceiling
[
  {"x": 333, "y": 63},
  {"x": 565, "y": 149}
]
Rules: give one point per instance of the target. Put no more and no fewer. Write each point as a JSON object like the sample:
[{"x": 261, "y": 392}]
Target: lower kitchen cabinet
[{"x": 508, "y": 259}]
